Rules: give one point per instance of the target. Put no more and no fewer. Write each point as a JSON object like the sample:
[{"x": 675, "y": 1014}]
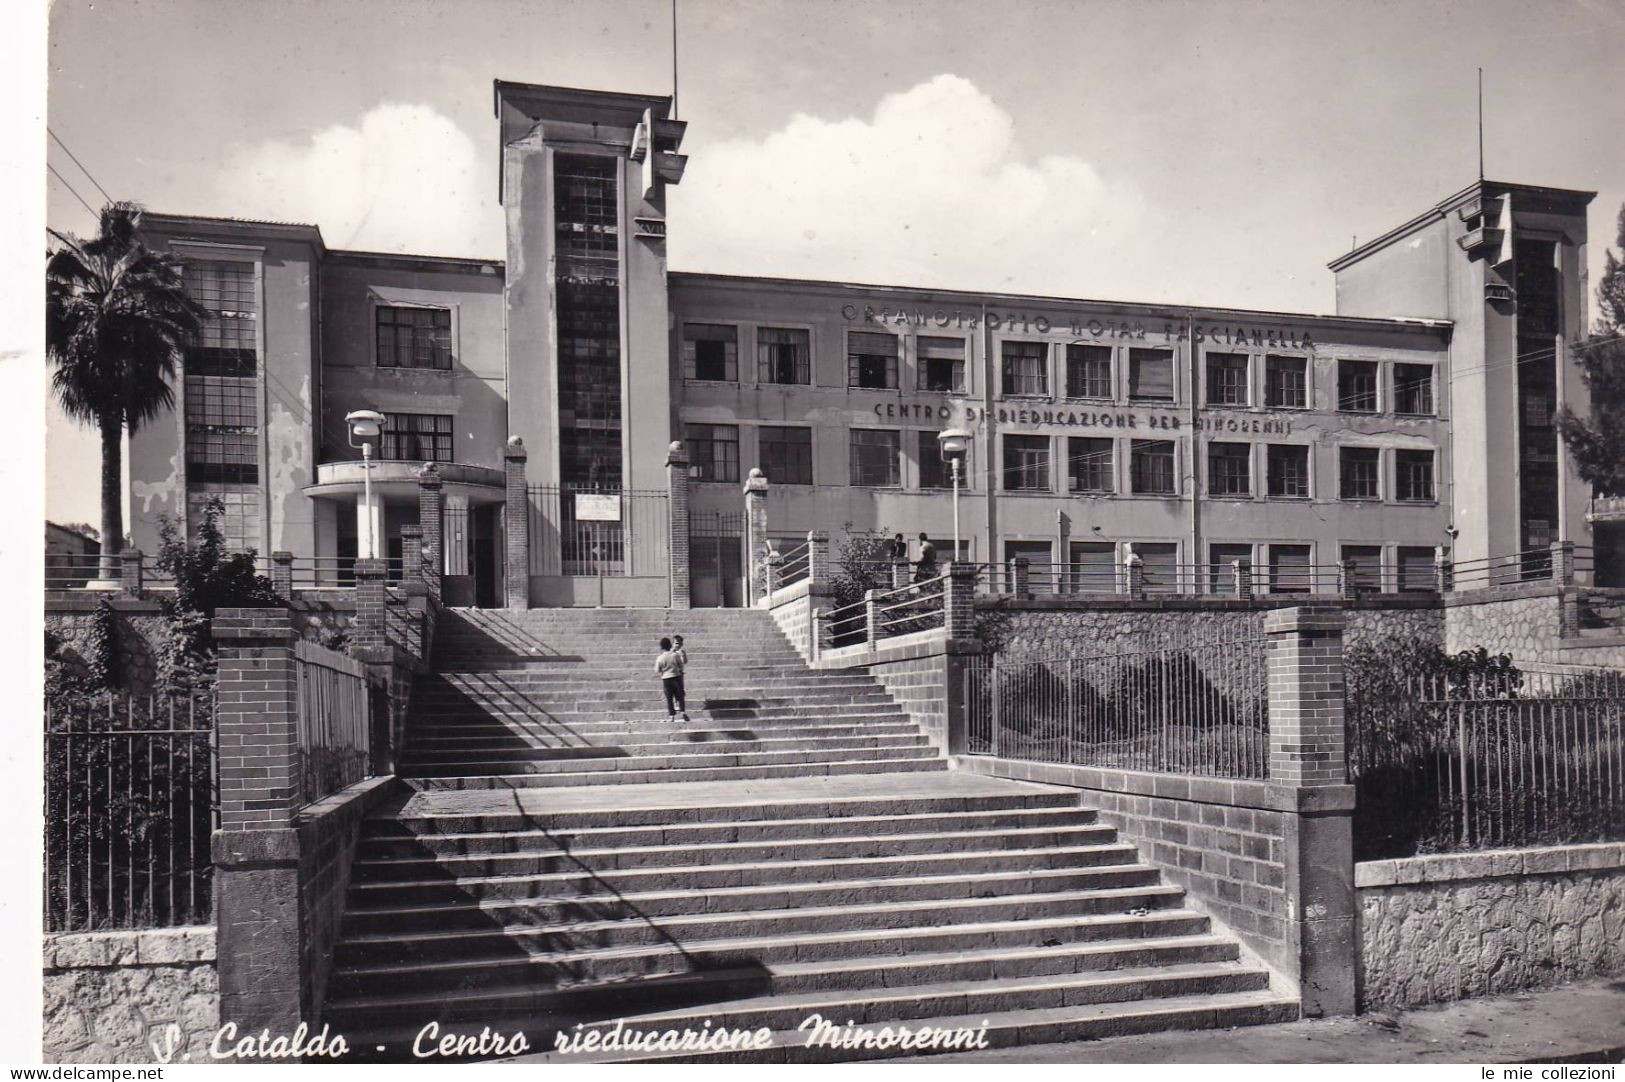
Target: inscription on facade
[
  {"x": 959, "y": 412},
  {"x": 1082, "y": 328}
]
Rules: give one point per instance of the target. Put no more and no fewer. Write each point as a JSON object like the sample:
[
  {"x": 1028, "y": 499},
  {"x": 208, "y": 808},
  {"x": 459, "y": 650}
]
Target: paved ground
[
  {"x": 1582, "y": 1023},
  {"x": 704, "y": 794}
]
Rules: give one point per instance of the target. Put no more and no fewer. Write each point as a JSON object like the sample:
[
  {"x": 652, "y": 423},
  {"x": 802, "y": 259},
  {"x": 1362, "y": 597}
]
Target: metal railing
[
  {"x": 1531, "y": 756},
  {"x": 129, "y": 808},
  {"x": 70, "y": 571},
  {"x": 918, "y": 606},
  {"x": 334, "y": 720},
  {"x": 792, "y": 566},
  {"x": 1200, "y": 709}
]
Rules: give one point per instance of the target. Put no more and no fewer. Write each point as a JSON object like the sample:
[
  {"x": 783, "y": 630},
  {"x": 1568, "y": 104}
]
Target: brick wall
[
  {"x": 130, "y": 996},
  {"x": 1440, "y": 928},
  {"x": 329, "y": 831}
]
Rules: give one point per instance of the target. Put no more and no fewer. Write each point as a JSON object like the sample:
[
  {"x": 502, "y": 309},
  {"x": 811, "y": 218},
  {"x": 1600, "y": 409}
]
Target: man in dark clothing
[
  {"x": 899, "y": 548},
  {"x": 926, "y": 567}
]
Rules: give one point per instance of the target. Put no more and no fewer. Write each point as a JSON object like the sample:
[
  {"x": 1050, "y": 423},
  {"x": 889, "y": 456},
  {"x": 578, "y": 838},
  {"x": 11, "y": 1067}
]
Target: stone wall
[
  {"x": 1441, "y": 928},
  {"x": 1524, "y": 621},
  {"x": 139, "y": 628},
  {"x": 791, "y": 609},
  {"x": 130, "y": 996}
]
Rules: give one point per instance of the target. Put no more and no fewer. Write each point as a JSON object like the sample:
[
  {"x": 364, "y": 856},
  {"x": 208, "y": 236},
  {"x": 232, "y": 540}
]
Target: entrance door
[
  {"x": 716, "y": 561},
  {"x": 482, "y": 556}
]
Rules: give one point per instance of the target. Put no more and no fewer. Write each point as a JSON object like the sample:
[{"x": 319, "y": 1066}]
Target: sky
[{"x": 1218, "y": 152}]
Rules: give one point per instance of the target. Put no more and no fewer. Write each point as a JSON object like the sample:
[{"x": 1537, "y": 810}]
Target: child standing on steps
[{"x": 669, "y": 666}]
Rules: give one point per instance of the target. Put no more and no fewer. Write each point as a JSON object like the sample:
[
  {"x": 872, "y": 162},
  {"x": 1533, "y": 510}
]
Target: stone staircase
[{"x": 566, "y": 856}]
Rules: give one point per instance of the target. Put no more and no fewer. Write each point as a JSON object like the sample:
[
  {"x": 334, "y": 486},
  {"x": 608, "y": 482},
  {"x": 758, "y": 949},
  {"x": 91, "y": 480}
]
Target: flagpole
[
  {"x": 674, "y": 62},
  {"x": 1480, "y": 119}
]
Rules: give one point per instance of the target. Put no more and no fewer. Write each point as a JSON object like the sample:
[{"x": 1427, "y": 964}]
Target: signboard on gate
[{"x": 595, "y": 507}]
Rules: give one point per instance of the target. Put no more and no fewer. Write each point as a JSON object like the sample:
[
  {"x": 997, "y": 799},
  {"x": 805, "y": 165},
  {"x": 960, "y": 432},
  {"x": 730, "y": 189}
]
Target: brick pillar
[
  {"x": 1134, "y": 575},
  {"x": 677, "y": 508},
  {"x": 959, "y": 601},
  {"x": 516, "y": 528},
  {"x": 130, "y": 571},
  {"x": 412, "y": 556},
  {"x": 1021, "y": 584},
  {"x": 368, "y": 633},
  {"x": 1444, "y": 575},
  {"x": 258, "y": 919},
  {"x": 899, "y": 574},
  {"x": 1348, "y": 580},
  {"x": 818, "y": 567},
  {"x": 1563, "y": 563},
  {"x": 871, "y": 619},
  {"x": 432, "y": 521},
  {"x": 1241, "y": 578},
  {"x": 756, "y": 536},
  {"x": 282, "y": 574},
  {"x": 1309, "y": 772}
]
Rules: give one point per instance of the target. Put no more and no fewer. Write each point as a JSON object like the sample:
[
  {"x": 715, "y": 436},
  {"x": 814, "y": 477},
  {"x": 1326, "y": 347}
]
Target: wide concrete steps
[{"x": 647, "y": 772}]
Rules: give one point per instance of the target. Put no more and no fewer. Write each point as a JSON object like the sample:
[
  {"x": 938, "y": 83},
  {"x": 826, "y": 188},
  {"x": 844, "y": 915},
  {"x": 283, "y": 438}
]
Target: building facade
[{"x": 1419, "y": 416}]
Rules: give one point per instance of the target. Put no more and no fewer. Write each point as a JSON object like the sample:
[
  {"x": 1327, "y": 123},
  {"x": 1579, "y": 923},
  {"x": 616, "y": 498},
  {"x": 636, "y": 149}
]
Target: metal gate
[
  {"x": 716, "y": 560},
  {"x": 597, "y": 532}
]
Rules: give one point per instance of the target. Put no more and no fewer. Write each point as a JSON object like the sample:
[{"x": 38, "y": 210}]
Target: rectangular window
[
  {"x": 783, "y": 355},
  {"x": 942, "y": 364},
  {"x": 1287, "y": 470},
  {"x": 1089, "y": 464},
  {"x": 414, "y": 337},
  {"x": 1367, "y": 565},
  {"x": 1227, "y": 379},
  {"x": 222, "y": 430},
  {"x": 1286, "y": 382},
  {"x": 240, "y": 523},
  {"x": 875, "y": 458},
  {"x": 1039, "y": 555},
  {"x": 1290, "y": 572},
  {"x": 416, "y": 437},
  {"x": 1413, "y": 476},
  {"x": 785, "y": 454},
  {"x": 934, "y": 471},
  {"x": 1413, "y": 389},
  {"x": 1088, "y": 371},
  {"x": 714, "y": 451},
  {"x": 1151, "y": 375},
  {"x": 1357, "y": 386},
  {"x": 1092, "y": 567},
  {"x": 1026, "y": 463},
  {"x": 1221, "y": 572},
  {"x": 1358, "y": 473},
  {"x": 1151, "y": 467},
  {"x": 1159, "y": 560},
  {"x": 871, "y": 360},
  {"x": 1025, "y": 368},
  {"x": 1230, "y": 469},
  {"x": 1416, "y": 569},
  {"x": 587, "y": 274},
  {"x": 227, "y": 344},
  {"x": 711, "y": 352}
]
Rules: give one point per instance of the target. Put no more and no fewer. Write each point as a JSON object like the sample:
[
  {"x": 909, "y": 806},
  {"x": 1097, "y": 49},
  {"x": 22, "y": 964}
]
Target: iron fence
[
  {"x": 130, "y": 804},
  {"x": 598, "y": 532},
  {"x": 1200, "y": 709},
  {"x": 334, "y": 720},
  {"x": 1521, "y": 757}
]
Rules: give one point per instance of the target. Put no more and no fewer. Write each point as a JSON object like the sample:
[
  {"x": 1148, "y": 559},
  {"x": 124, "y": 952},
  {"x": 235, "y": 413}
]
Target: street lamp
[
  {"x": 955, "y": 444},
  {"x": 366, "y": 426}
]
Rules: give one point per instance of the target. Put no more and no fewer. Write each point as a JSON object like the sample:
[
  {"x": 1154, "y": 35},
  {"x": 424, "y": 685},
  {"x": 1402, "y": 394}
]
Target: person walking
[
  {"x": 926, "y": 567},
  {"x": 669, "y": 667}
]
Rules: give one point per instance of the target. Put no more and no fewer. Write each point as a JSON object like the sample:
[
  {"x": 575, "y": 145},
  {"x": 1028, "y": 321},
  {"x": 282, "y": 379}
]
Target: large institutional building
[{"x": 1418, "y": 416}]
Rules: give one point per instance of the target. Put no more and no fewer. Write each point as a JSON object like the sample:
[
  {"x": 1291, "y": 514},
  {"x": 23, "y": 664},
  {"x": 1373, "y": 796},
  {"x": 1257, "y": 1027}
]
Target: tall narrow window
[
  {"x": 221, "y": 384},
  {"x": 1286, "y": 382},
  {"x": 714, "y": 450},
  {"x": 711, "y": 352},
  {"x": 1413, "y": 476},
  {"x": 1357, "y": 386},
  {"x": 417, "y": 437},
  {"x": 586, "y": 243},
  {"x": 1229, "y": 469},
  {"x": 942, "y": 363},
  {"x": 1151, "y": 467},
  {"x": 1025, "y": 368},
  {"x": 414, "y": 337},
  {"x": 1413, "y": 389},
  {"x": 1287, "y": 470},
  {"x": 785, "y": 454},
  {"x": 1026, "y": 463},
  {"x": 1227, "y": 379},
  {"x": 1151, "y": 375},
  {"x": 871, "y": 360},
  {"x": 783, "y": 355},
  {"x": 1089, "y": 464},
  {"x": 875, "y": 458},
  {"x": 1359, "y": 473},
  {"x": 1088, "y": 371}
]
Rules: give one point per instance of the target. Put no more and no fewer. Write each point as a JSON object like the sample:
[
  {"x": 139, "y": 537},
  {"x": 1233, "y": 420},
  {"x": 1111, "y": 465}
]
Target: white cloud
[
  {"x": 931, "y": 190},
  {"x": 404, "y": 179}
]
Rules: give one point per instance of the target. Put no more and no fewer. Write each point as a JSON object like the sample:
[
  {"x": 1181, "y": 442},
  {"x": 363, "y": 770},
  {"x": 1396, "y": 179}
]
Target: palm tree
[{"x": 117, "y": 321}]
